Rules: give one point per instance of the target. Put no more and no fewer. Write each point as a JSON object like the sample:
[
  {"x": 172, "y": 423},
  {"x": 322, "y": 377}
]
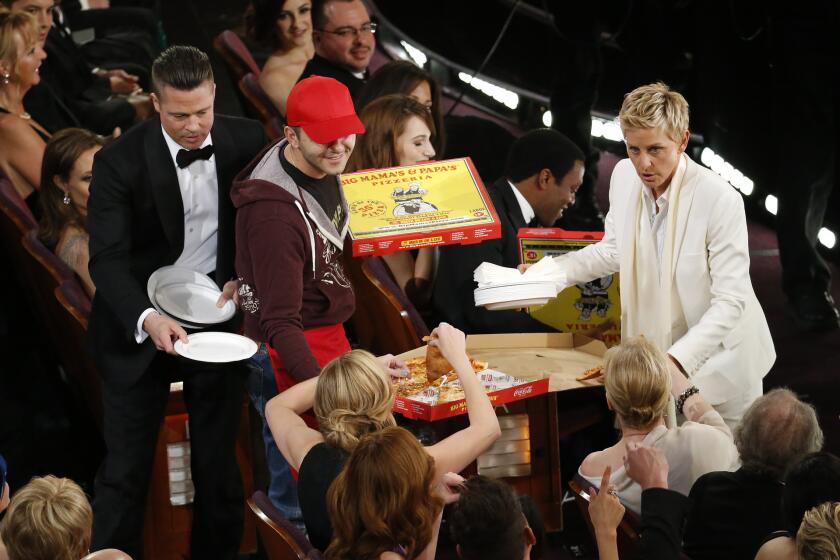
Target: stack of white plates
[
  {"x": 188, "y": 297},
  {"x": 515, "y": 295}
]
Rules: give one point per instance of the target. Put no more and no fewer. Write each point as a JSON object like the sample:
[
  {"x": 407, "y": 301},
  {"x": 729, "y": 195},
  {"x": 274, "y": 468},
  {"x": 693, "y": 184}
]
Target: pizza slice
[{"x": 591, "y": 373}]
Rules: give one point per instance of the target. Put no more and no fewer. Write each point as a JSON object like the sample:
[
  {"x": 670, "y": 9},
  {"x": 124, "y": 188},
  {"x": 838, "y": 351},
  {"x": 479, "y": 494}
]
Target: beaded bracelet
[{"x": 684, "y": 397}]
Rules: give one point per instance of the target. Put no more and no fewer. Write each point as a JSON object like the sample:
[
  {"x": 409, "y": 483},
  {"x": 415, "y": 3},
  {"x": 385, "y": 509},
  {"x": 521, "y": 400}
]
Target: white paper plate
[
  {"x": 194, "y": 303},
  {"x": 173, "y": 275},
  {"x": 516, "y": 304},
  {"x": 514, "y": 293},
  {"x": 216, "y": 347},
  {"x": 519, "y": 283}
]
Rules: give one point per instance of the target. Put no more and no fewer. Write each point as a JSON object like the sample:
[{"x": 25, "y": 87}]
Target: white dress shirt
[
  {"x": 200, "y": 195},
  {"x": 527, "y": 210},
  {"x": 657, "y": 213}
]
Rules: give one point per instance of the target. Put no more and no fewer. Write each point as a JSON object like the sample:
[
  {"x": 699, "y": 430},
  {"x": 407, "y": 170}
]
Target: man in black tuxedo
[
  {"x": 160, "y": 196},
  {"x": 543, "y": 171},
  {"x": 344, "y": 42}
]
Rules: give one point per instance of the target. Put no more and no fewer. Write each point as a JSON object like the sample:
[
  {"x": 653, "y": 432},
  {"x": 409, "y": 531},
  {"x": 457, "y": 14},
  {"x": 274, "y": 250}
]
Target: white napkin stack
[{"x": 500, "y": 287}]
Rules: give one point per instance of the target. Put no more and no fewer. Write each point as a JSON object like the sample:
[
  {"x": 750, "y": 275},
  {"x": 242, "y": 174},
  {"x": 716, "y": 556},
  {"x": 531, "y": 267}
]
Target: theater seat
[
  {"x": 627, "y": 533},
  {"x": 235, "y": 54},
  {"x": 15, "y": 221},
  {"x": 260, "y": 106},
  {"x": 71, "y": 318},
  {"x": 385, "y": 321},
  {"x": 281, "y": 539}
]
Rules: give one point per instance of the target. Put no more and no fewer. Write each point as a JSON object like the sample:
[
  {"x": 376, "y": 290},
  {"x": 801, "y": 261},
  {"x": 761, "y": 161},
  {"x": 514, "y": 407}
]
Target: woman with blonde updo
[
  {"x": 639, "y": 386},
  {"x": 353, "y": 397}
]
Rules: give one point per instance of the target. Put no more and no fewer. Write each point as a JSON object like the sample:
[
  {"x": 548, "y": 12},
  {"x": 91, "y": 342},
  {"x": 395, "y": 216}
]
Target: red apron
[{"x": 325, "y": 343}]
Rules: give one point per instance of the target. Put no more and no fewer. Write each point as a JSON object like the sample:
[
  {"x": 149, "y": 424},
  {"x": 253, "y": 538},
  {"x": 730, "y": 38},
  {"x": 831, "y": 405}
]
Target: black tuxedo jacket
[
  {"x": 731, "y": 513},
  {"x": 453, "y": 293},
  {"x": 320, "y": 66},
  {"x": 136, "y": 225}
]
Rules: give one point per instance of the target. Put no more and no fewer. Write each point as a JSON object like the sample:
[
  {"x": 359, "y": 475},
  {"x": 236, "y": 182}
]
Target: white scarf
[{"x": 646, "y": 298}]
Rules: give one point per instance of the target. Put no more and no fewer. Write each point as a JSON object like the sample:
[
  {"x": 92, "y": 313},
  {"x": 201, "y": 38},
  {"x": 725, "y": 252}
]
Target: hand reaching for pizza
[
  {"x": 452, "y": 343},
  {"x": 393, "y": 365}
]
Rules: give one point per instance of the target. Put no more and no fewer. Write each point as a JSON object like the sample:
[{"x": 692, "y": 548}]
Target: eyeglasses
[{"x": 346, "y": 32}]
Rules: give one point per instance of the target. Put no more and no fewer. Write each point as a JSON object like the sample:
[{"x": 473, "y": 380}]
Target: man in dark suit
[
  {"x": 344, "y": 42},
  {"x": 543, "y": 171},
  {"x": 731, "y": 513},
  {"x": 160, "y": 196}
]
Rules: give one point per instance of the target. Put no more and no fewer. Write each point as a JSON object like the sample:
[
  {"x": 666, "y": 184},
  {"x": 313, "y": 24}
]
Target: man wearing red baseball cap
[{"x": 290, "y": 227}]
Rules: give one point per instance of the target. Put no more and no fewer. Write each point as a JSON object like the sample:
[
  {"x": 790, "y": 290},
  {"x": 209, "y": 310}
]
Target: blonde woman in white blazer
[{"x": 677, "y": 233}]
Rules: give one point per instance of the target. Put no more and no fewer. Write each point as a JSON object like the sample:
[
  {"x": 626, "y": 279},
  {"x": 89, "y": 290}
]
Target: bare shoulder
[
  {"x": 780, "y": 548},
  {"x": 388, "y": 555},
  {"x": 73, "y": 244},
  {"x": 595, "y": 463}
]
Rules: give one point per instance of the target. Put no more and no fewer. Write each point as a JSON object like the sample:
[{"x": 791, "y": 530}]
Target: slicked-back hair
[
  {"x": 540, "y": 149},
  {"x": 487, "y": 521},
  {"x": 181, "y": 67},
  {"x": 777, "y": 430}
]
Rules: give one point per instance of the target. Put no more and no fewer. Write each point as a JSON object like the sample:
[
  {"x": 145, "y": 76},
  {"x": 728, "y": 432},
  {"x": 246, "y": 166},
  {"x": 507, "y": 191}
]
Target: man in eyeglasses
[{"x": 344, "y": 42}]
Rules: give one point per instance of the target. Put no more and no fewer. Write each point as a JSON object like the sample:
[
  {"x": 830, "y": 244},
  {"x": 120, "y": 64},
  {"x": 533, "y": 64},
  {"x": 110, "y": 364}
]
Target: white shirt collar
[
  {"x": 661, "y": 201},
  {"x": 527, "y": 210},
  {"x": 174, "y": 146}
]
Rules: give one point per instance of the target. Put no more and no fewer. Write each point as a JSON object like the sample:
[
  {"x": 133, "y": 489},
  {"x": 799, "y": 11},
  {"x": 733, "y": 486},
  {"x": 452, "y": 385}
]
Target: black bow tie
[{"x": 186, "y": 157}]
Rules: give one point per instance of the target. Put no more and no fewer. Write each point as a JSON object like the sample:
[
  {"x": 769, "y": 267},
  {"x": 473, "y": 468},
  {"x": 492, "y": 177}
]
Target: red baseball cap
[{"x": 323, "y": 108}]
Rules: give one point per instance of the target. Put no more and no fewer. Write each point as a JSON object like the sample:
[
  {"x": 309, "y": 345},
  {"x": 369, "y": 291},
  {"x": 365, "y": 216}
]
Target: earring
[
  {"x": 6, "y": 77},
  {"x": 66, "y": 199}
]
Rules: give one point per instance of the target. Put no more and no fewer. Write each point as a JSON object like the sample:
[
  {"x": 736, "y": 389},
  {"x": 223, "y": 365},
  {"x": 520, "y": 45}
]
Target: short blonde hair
[
  {"x": 354, "y": 397},
  {"x": 12, "y": 23},
  {"x": 655, "y": 106},
  {"x": 818, "y": 537},
  {"x": 49, "y": 519},
  {"x": 637, "y": 382}
]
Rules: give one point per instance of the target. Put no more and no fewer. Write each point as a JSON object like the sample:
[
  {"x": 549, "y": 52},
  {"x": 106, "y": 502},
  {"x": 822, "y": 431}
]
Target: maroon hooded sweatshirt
[{"x": 288, "y": 259}]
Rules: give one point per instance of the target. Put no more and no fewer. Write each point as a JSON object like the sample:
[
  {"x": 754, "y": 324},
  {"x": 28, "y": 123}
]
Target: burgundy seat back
[
  {"x": 259, "y": 104},
  {"x": 384, "y": 320},
  {"x": 236, "y": 55},
  {"x": 45, "y": 272},
  {"x": 627, "y": 534},
  {"x": 72, "y": 319},
  {"x": 280, "y": 538},
  {"x": 15, "y": 221}
]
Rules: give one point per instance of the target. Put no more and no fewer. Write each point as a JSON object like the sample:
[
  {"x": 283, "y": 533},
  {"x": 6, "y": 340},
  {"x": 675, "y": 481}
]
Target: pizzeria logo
[{"x": 410, "y": 200}]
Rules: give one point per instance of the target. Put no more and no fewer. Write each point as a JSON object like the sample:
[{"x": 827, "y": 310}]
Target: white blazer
[{"x": 727, "y": 349}]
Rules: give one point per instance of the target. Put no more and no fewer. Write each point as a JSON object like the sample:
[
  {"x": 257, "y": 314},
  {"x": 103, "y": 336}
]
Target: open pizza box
[{"x": 520, "y": 366}]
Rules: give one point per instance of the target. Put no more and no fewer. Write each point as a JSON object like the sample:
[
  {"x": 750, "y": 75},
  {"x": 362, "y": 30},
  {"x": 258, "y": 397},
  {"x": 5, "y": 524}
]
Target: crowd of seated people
[
  {"x": 352, "y": 397},
  {"x": 367, "y": 488}
]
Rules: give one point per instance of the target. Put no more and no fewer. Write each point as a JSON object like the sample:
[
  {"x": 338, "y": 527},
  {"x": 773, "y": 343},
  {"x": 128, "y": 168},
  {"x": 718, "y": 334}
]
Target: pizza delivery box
[
  {"x": 414, "y": 206},
  {"x": 519, "y": 366},
  {"x": 581, "y": 307}
]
